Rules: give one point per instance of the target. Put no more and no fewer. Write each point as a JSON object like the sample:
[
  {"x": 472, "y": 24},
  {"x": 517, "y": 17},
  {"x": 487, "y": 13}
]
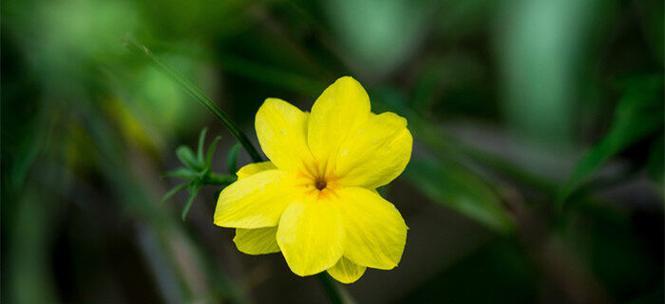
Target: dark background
[{"x": 536, "y": 177}]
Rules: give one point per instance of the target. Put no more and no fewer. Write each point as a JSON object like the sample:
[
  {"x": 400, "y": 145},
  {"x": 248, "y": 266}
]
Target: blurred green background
[{"x": 536, "y": 177}]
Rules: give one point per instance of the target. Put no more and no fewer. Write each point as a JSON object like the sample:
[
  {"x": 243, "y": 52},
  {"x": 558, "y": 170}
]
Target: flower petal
[
  {"x": 311, "y": 236},
  {"x": 376, "y": 153},
  {"x": 375, "y": 230},
  {"x": 337, "y": 113},
  {"x": 256, "y": 241},
  {"x": 256, "y": 201},
  {"x": 282, "y": 132},
  {"x": 253, "y": 168},
  {"x": 346, "y": 271}
]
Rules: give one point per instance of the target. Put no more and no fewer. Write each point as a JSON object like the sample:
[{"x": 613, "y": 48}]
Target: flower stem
[
  {"x": 195, "y": 92},
  {"x": 218, "y": 179},
  {"x": 332, "y": 289}
]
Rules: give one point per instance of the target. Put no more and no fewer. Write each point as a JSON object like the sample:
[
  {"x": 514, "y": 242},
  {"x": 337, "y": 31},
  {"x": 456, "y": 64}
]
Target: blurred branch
[{"x": 195, "y": 92}]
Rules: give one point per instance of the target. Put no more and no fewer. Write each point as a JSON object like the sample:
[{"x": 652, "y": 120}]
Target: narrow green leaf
[
  {"x": 199, "y": 149},
  {"x": 168, "y": 195},
  {"x": 451, "y": 185},
  {"x": 638, "y": 115},
  {"x": 211, "y": 150},
  {"x": 183, "y": 173},
  {"x": 232, "y": 159},
  {"x": 186, "y": 156},
  {"x": 219, "y": 179},
  {"x": 193, "y": 192}
]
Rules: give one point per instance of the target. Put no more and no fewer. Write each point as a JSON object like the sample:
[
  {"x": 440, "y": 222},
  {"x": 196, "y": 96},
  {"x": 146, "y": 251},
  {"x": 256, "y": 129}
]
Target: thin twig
[{"x": 195, "y": 92}]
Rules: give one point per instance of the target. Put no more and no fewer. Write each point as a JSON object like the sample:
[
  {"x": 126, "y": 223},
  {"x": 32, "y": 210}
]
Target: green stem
[
  {"x": 331, "y": 288},
  {"x": 218, "y": 179},
  {"x": 195, "y": 92}
]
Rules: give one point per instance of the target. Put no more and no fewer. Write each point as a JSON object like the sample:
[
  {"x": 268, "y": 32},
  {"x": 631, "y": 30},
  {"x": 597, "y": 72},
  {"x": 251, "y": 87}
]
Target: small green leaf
[
  {"x": 200, "y": 149},
  {"x": 219, "y": 179},
  {"x": 193, "y": 192},
  {"x": 168, "y": 195},
  {"x": 232, "y": 159},
  {"x": 211, "y": 150},
  {"x": 183, "y": 173},
  {"x": 638, "y": 115},
  {"x": 187, "y": 157},
  {"x": 451, "y": 185}
]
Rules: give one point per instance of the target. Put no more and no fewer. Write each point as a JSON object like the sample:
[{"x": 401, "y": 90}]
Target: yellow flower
[{"x": 316, "y": 200}]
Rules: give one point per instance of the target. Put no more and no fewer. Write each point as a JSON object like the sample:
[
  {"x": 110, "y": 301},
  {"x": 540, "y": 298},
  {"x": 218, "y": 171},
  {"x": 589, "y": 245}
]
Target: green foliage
[
  {"x": 455, "y": 187},
  {"x": 638, "y": 115},
  {"x": 196, "y": 171}
]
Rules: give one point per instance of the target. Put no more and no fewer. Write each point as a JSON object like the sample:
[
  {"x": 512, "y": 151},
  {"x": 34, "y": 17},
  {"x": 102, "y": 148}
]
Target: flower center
[{"x": 320, "y": 184}]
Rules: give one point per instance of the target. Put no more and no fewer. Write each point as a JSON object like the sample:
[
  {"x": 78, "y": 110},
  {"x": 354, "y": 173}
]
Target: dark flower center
[{"x": 320, "y": 184}]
